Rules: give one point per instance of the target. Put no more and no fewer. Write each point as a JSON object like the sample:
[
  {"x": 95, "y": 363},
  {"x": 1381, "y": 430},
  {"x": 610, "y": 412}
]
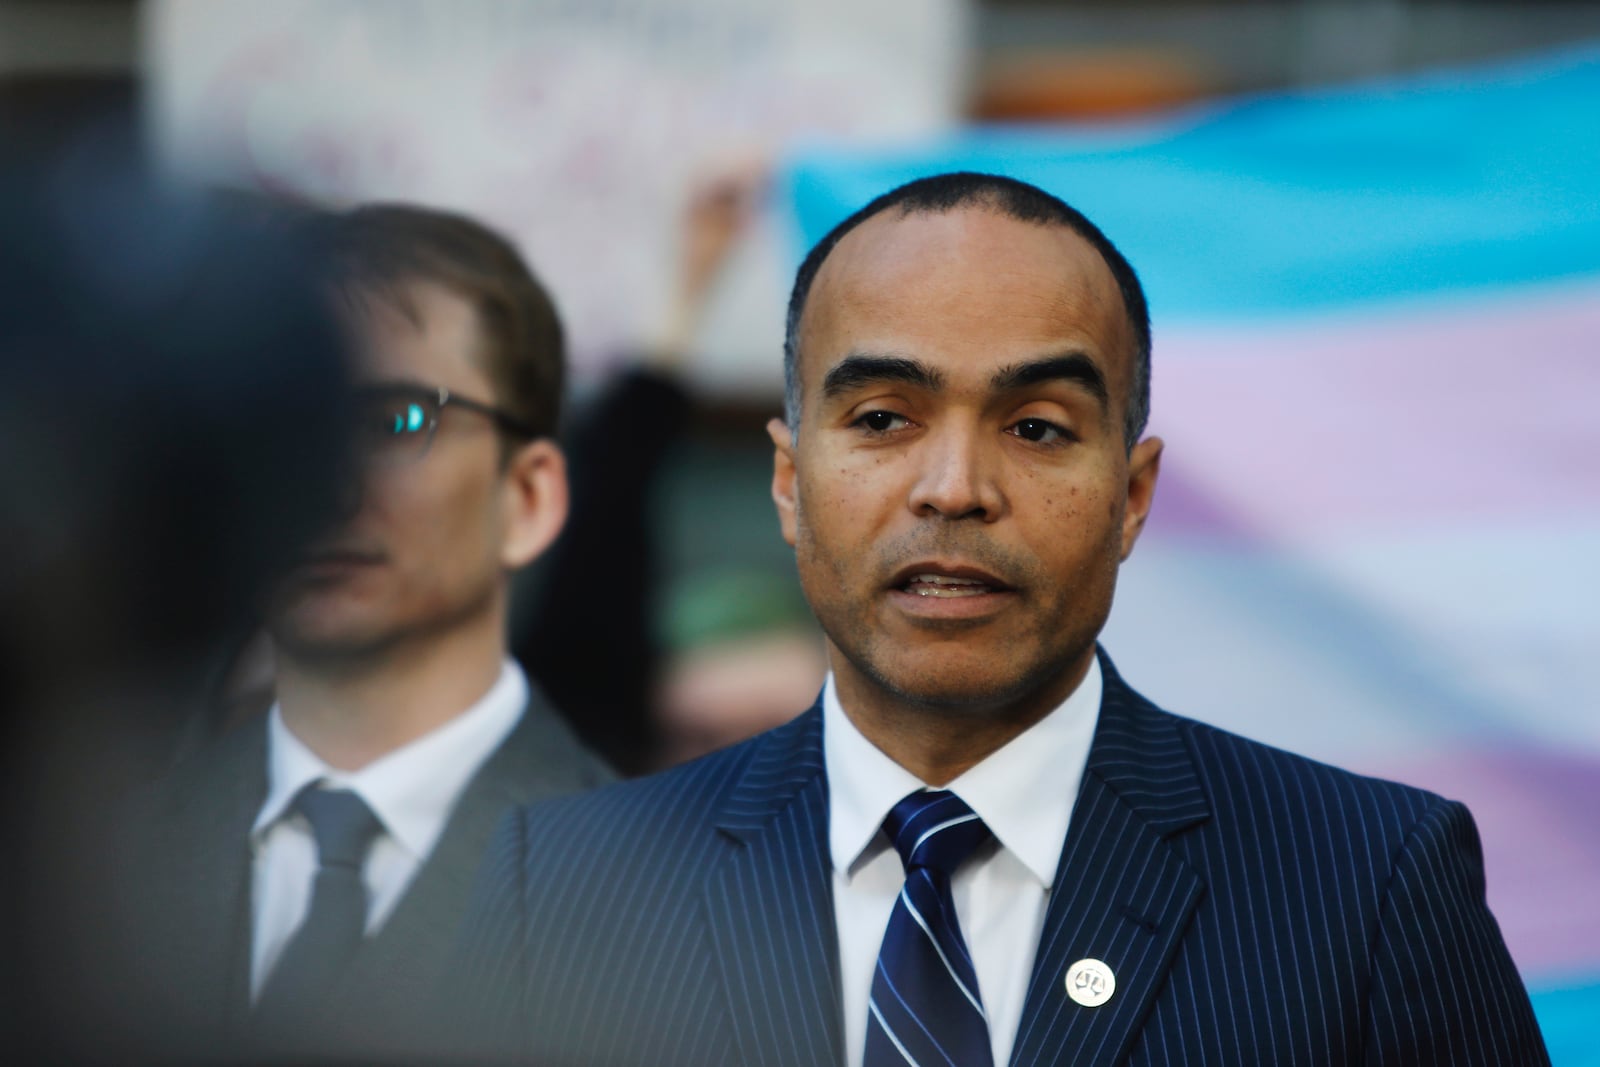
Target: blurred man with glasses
[{"x": 311, "y": 869}]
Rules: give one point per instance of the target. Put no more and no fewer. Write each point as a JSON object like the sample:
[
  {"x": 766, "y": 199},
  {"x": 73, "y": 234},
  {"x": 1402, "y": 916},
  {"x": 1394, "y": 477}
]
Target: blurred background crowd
[{"x": 1370, "y": 231}]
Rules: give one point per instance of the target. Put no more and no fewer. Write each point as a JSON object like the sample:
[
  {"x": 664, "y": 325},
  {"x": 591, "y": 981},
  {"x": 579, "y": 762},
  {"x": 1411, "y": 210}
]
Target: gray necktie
[{"x": 336, "y": 920}]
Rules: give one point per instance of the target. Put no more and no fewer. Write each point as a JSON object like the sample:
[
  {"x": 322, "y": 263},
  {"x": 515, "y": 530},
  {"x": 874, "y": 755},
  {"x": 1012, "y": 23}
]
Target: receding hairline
[
  {"x": 941, "y": 194},
  {"x": 1106, "y": 285},
  {"x": 908, "y": 211}
]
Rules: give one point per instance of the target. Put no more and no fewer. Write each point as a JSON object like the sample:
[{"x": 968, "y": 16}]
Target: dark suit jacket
[
  {"x": 1256, "y": 908},
  {"x": 188, "y": 884}
]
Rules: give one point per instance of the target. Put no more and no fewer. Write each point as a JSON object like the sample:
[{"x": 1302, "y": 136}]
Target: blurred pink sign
[{"x": 573, "y": 126}]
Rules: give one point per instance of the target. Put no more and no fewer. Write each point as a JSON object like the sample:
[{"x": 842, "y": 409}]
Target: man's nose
[
  {"x": 352, "y": 489},
  {"x": 957, "y": 477}
]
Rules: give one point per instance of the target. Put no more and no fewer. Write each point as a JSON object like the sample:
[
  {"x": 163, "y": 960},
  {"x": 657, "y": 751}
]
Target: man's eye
[
  {"x": 404, "y": 419},
  {"x": 881, "y": 421},
  {"x": 391, "y": 419},
  {"x": 1040, "y": 431}
]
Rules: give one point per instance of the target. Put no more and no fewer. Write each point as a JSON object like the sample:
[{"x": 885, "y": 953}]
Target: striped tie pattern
[{"x": 925, "y": 1009}]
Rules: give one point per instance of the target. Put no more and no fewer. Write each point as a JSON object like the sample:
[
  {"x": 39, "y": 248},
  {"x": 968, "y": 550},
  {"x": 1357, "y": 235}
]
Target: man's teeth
[{"x": 942, "y": 585}]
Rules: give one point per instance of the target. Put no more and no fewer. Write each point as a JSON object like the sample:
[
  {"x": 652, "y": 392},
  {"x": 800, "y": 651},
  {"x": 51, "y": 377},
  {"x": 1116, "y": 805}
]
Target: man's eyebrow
[
  {"x": 1072, "y": 367},
  {"x": 858, "y": 369},
  {"x": 394, "y": 385}
]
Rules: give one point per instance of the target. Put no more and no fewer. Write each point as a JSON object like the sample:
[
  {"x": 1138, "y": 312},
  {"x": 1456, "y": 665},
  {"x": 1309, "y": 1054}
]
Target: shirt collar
[
  {"x": 412, "y": 789},
  {"x": 863, "y": 784},
  {"x": 1024, "y": 792}
]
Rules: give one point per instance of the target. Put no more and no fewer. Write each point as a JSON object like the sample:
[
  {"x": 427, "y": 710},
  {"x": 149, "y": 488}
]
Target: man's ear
[
  {"x": 783, "y": 476},
  {"x": 1144, "y": 465},
  {"x": 536, "y": 501}
]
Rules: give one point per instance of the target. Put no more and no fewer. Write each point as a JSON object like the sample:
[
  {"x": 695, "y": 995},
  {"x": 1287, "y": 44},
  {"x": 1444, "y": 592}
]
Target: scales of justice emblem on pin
[{"x": 1090, "y": 983}]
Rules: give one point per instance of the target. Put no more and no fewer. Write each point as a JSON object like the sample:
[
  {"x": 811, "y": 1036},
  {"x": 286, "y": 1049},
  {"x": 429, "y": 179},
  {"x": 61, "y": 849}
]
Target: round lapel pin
[{"x": 1090, "y": 983}]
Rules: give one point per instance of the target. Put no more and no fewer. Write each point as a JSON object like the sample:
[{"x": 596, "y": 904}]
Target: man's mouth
[
  {"x": 324, "y": 559},
  {"x": 942, "y": 586},
  {"x": 947, "y": 582}
]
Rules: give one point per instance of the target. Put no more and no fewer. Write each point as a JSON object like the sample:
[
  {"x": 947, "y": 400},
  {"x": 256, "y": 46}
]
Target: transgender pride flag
[{"x": 1377, "y": 370}]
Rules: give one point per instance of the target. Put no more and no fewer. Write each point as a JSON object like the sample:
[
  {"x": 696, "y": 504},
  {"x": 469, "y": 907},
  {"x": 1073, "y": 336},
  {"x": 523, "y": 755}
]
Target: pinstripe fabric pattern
[
  {"x": 1255, "y": 906},
  {"x": 684, "y": 919}
]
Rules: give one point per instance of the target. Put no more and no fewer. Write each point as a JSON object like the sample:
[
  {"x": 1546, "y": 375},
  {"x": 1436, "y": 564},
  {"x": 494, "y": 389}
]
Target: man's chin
[
  {"x": 970, "y": 681},
  {"x": 313, "y": 638},
  {"x": 953, "y": 687}
]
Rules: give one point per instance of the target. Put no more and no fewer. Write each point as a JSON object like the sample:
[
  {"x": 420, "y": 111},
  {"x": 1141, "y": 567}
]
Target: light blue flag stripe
[{"x": 1313, "y": 200}]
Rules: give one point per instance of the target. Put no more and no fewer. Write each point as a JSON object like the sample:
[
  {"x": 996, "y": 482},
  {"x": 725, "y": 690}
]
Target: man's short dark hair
[
  {"x": 379, "y": 247},
  {"x": 942, "y": 193}
]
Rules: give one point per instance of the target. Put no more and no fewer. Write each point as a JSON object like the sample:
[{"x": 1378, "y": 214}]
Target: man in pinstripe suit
[{"x": 961, "y": 471}]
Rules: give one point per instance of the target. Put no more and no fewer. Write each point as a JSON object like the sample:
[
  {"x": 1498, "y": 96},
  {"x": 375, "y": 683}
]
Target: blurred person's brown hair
[{"x": 377, "y": 248}]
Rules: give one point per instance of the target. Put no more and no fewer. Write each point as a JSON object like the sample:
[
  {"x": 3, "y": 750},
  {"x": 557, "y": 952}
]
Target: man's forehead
[
  {"x": 973, "y": 260},
  {"x": 898, "y": 239},
  {"x": 412, "y": 325},
  {"x": 403, "y": 302}
]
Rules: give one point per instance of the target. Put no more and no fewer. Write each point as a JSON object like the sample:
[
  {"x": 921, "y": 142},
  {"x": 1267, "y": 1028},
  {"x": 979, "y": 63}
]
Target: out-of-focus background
[{"x": 1370, "y": 232}]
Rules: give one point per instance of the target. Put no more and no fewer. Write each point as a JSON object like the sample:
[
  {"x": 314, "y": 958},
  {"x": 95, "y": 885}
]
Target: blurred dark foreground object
[{"x": 172, "y": 408}]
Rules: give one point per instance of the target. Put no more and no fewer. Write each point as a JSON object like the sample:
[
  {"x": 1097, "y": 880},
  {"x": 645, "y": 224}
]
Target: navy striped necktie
[{"x": 925, "y": 1008}]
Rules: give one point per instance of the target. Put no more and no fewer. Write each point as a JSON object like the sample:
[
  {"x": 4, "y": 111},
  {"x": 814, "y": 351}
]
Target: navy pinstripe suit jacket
[{"x": 1255, "y": 906}]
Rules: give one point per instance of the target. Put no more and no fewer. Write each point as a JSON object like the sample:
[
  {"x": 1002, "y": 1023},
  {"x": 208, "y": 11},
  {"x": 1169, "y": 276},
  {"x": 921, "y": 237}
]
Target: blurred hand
[{"x": 716, "y": 215}]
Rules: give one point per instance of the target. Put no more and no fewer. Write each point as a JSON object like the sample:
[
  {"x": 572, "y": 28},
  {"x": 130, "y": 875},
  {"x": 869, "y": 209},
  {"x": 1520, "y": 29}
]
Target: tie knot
[
  {"x": 341, "y": 822},
  {"x": 934, "y": 829}
]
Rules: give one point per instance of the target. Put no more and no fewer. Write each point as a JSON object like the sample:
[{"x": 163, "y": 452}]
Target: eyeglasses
[{"x": 395, "y": 424}]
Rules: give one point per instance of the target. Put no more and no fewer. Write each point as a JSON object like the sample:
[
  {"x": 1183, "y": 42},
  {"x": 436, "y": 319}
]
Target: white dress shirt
[
  {"x": 412, "y": 791},
  {"x": 1024, "y": 793}
]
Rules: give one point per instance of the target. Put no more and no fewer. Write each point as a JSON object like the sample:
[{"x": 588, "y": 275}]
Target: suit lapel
[
  {"x": 770, "y": 903},
  {"x": 1123, "y": 895},
  {"x": 199, "y": 856},
  {"x": 539, "y": 758}
]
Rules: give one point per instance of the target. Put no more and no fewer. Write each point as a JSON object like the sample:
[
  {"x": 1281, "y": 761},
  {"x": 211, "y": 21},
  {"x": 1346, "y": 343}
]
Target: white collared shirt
[
  {"x": 411, "y": 790},
  {"x": 1024, "y": 793}
]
